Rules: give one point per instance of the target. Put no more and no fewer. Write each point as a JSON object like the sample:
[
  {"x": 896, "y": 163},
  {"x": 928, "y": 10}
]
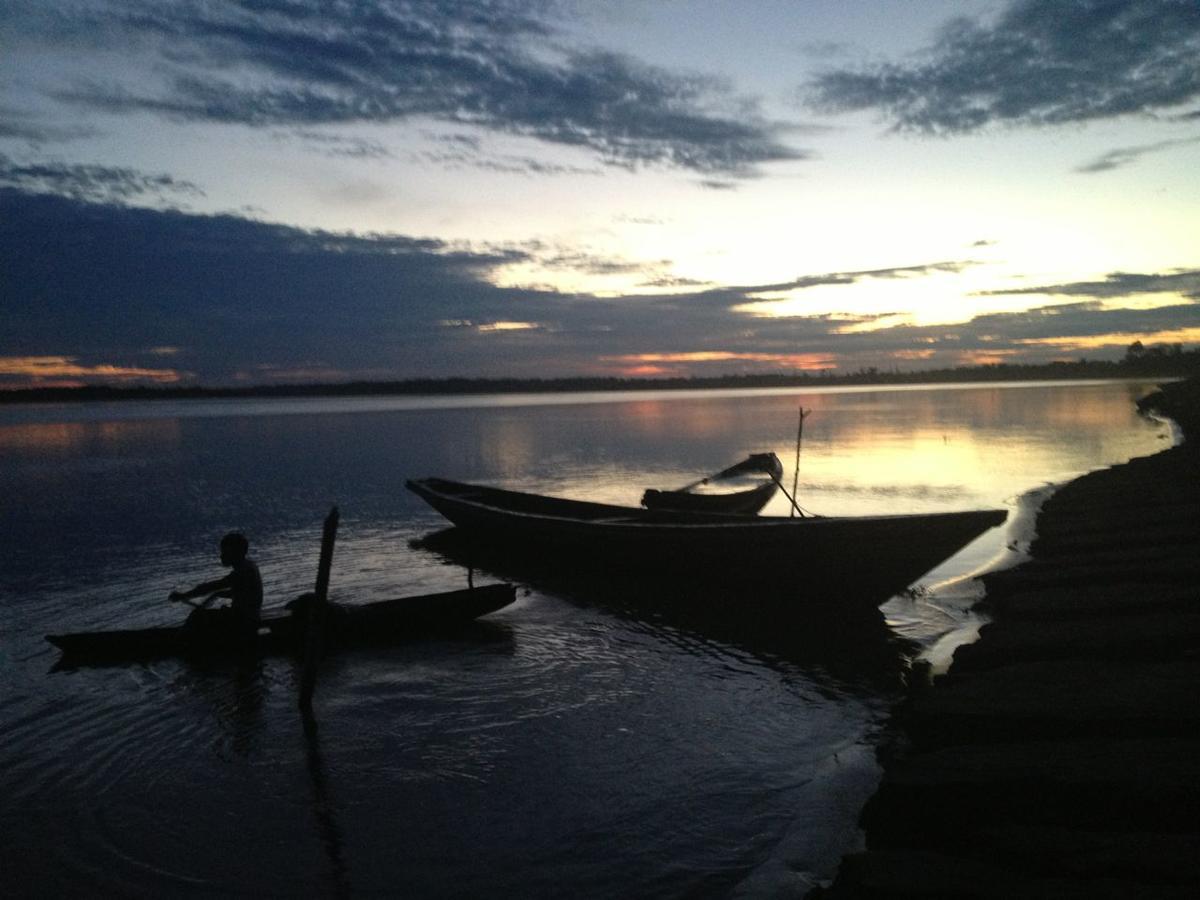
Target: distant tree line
[{"x": 1155, "y": 361}]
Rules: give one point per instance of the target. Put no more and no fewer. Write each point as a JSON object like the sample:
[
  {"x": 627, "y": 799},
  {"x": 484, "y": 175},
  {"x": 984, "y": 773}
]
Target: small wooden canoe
[
  {"x": 744, "y": 488},
  {"x": 382, "y": 623}
]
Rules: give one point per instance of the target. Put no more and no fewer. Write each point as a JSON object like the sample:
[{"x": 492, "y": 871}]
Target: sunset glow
[
  {"x": 794, "y": 361},
  {"x": 508, "y": 326},
  {"x": 66, "y": 371},
  {"x": 337, "y": 194}
]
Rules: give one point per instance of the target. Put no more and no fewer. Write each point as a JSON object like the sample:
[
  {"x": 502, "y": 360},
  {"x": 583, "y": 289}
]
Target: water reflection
[
  {"x": 848, "y": 641},
  {"x": 65, "y": 438},
  {"x": 234, "y": 691},
  {"x": 623, "y": 737},
  {"x": 56, "y": 437},
  {"x": 507, "y": 445},
  {"x": 327, "y": 826}
]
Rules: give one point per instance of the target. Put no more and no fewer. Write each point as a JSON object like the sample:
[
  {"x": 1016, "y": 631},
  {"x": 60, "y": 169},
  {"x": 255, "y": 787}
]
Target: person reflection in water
[{"x": 243, "y": 586}]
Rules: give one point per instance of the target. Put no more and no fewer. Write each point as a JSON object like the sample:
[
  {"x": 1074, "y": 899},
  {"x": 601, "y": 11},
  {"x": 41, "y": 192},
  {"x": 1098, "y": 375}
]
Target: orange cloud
[
  {"x": 508, "y": 326},
  {"x": 807, "y": 361},
  {"x": 1116, "y": 339},
  {"x": 65, "y": 371},
  {"x": 646, "y": 371}
]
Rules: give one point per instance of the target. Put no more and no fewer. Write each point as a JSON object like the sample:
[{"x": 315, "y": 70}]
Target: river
[{"x": 581, "y": 745}]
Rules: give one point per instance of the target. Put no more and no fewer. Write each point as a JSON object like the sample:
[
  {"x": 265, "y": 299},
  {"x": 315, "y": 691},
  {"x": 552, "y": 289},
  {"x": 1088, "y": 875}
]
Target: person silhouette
[{"x": 242, "y": 586}]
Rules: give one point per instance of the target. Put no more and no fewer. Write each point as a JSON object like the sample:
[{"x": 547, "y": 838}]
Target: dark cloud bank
[
  {"x": 498, "y": 64},
  {"x": 240, "y": 299},
  {"x": 1040, "y": 62}
]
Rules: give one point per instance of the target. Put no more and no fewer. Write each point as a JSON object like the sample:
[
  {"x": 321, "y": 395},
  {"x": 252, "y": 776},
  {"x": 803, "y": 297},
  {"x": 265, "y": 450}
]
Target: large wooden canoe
[
  {"x": 743, "y": 488},
  {"x": 385, "y": 622},
  {"x": 861, "y": 557}
]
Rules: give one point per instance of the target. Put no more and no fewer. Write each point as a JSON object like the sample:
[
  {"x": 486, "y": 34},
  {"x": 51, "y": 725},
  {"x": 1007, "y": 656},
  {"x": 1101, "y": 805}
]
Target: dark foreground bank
[{"x": 1058, "y": 757}]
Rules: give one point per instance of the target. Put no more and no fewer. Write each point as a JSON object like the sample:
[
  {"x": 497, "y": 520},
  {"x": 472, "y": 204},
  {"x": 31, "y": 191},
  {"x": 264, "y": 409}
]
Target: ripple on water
[{"x": 547, "y": 733}]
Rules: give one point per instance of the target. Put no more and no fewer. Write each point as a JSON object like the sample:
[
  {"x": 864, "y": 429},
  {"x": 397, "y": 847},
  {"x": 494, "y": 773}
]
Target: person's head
[{"x": 234, "y": 548}]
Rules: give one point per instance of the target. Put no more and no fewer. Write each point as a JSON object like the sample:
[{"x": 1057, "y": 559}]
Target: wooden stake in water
[
  {"x": 804, "y": 414},
  {"x": 314, "y": 632}
]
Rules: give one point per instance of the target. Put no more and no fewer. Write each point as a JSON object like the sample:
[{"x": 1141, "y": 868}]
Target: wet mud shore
[{"x": 1058, "y": 757}]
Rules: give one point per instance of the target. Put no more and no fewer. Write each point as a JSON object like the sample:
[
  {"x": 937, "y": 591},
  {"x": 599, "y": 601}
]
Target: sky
[{"x": 292, "y": 191}]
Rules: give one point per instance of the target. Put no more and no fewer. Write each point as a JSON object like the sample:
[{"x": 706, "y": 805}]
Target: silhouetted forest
[{"x": 1155, "y": 361}]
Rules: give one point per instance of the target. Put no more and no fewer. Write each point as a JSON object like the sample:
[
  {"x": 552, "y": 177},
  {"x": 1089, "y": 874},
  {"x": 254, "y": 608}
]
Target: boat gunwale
[
  {"x": 632, "y": 517},
  {"x": 418, "y": 611}
]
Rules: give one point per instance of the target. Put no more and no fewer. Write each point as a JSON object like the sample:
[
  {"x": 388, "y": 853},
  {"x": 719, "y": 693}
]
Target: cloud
[
  {"x": 1041, "y": 62},
  {"x": 626, "y": 219},
  {"x": 674, "y": 281},
  {"x": 758, "y": 300},
  {"x": 952, "y": 266},
  {"x": 495, "y": 64},
  {"x": 592, "y": 263},
  {"x": 1118, "y": 285},
  {"x": 64, "y": 370},
  {"x": 683, "y": 363},
  {"x": 19, "y": 125},
  {"x": 1075, "y": 320},
  {"x": 92, "y": 281},
  {"x": 508, "y": 326},
  {"x": 223, "y": 299},
  {"x": 336, "y": 145},
  {"x": 456, "y": 150},
  {"x": 1041, "y": 334},
  {"x": 100, "y": 184},
  {"x": 1124, "y": 156}
]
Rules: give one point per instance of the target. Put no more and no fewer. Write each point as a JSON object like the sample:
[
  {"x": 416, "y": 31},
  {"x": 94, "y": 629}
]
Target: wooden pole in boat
[
  {"x": 796, "y": 510},
  {"x": 314, "y": 631},
  {"x": 796, "y": 474}
]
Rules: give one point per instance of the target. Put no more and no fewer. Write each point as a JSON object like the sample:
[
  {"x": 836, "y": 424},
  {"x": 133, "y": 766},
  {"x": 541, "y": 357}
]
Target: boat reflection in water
[{"x": 849, "y": 642}]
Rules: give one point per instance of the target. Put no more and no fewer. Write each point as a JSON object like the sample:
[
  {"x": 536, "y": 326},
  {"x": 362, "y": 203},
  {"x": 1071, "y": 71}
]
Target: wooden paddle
[
  {"x": 314, "y": 632},
  {"x": 203, "y": 604}
]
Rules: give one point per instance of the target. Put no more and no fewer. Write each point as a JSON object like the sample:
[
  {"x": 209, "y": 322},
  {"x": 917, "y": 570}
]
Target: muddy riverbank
[{"x": 1057, "y": 757}]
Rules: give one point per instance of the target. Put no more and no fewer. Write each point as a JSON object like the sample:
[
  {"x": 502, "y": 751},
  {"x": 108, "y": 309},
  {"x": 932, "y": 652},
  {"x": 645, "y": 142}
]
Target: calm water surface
[{"x": 590, "y": 742}]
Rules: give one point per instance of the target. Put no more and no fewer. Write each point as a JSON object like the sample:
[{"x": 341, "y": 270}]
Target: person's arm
[{"x": 218, "y": 586}]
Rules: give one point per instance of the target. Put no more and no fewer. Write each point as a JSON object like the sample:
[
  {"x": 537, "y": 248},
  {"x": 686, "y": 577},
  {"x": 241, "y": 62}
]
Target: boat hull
[
  {"x": 867, "y": 558},
  {"x": 373, "y": 624}
]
